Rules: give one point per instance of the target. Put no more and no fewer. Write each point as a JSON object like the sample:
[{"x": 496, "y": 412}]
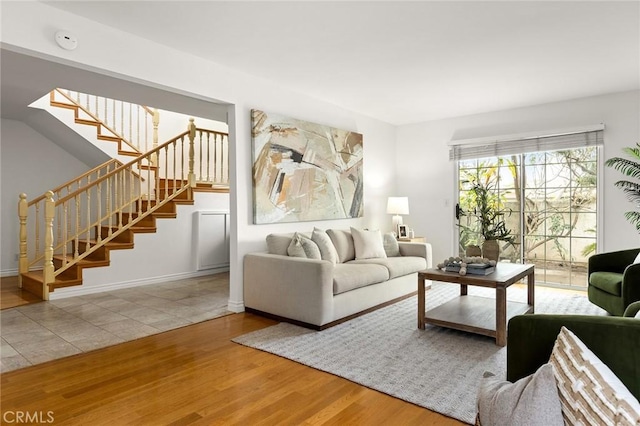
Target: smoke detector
[{"x": 66, "y": 40}]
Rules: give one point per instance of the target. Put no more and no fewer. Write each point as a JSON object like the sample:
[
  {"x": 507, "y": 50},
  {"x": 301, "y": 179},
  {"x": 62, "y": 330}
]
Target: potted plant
[
  {"x": 491, "y": 222},
  {"x": 631, "y": 169}
]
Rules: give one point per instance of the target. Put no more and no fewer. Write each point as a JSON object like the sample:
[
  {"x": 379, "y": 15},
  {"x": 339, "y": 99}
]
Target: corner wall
[
  {"x": 428, "y": 174},
  {"x": 29, "y": 163}
]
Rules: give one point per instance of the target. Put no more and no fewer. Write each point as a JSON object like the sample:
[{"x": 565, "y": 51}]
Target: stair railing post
[
  {"x": 156, "y": 123},
  {"x": 48, "y": 270},
  {"x": 23, "y": 261},
  {"x": 192, "y": 137}
]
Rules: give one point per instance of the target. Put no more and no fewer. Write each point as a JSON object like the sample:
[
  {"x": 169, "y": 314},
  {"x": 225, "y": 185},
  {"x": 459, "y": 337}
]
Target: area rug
[{"x": 438, "y": 368}]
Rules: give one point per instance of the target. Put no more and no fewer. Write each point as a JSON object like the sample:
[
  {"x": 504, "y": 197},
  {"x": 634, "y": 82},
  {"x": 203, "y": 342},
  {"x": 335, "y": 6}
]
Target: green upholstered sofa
[
  {"x": 615, "y": 340},
  {"x": 614, "y": 281}
]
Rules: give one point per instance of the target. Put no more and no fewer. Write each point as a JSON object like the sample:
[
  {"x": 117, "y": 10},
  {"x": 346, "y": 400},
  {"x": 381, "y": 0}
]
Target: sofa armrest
[
  {"x": 417, "y": 250},
  {"x": 290, "y": 287},
  {"x": 613, "y": 261},
  {"x": 631, "y": 284},
  {"x": 632, "y": 310},
  {"x": 615, "y": 340}
]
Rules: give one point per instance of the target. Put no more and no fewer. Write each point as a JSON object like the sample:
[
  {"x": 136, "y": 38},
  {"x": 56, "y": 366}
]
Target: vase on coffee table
[{"x": 491, "y": 250}]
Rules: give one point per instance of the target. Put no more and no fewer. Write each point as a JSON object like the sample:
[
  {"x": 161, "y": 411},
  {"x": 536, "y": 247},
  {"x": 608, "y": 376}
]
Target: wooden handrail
[
  {"x": 76, "y": 179},
  {"x": 132, "y": 162}
]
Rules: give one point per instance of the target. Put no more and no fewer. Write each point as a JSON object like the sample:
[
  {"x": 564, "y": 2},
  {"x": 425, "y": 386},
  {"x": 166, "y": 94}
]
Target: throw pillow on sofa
[
  {"x": 368, "y": 244},
  {"x": 532, "y": 400},
  {"x": 302, "y": 246},
  {"x": 343, "y": 242},
  {"x": 390, "y": 244},
  {"x": 327, "y": 249},
  {"x": 590, "y": 392}
]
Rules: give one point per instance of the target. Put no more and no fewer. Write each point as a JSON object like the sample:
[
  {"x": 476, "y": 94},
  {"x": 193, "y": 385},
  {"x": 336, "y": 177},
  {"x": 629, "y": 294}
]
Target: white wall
[
  {"x": 116, "y": 53},
  {"x": 29, "y": 163},
  {"x": 426, "y": 175},
  {"x": 173, "y": 123}
]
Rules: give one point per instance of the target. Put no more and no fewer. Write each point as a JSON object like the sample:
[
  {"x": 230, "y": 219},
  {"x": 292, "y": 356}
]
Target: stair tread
[
  {"x": 38, "y": 276},
  {"x": 86, "y": 262}
]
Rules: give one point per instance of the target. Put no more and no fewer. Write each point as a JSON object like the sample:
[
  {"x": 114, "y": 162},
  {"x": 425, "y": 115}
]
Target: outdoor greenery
[
  {"x": 488, "y": 213},
  {"x": 631, "y": 169},
  {"x": 544, "y": 205}
]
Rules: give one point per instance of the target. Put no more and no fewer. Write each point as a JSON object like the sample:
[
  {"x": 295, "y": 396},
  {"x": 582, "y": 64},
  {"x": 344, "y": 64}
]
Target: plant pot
[
  {"x": 491, "y": 249},
  {"x": 473, "y": 251}
]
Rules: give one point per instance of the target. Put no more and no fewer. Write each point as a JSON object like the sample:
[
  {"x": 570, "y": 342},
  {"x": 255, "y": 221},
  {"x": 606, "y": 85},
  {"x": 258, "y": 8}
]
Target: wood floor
[
  {"x": 11, "y": 296},
  {"x": 196, "y": 375}
]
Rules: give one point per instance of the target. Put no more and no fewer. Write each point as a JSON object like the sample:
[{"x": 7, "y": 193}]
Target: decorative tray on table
[{"x": 468, "y": 265}]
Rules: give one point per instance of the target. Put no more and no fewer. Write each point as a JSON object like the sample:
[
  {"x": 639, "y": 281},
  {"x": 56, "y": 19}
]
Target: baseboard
[
  {"x": 235, "y": 306},
  {"x": 9, "y": 273},
  {"x": 15, "y": 273},
  {"x": 84, "y": 290}
]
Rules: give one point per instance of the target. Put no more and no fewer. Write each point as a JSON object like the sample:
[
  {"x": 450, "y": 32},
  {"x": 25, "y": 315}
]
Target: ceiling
[{"x": 403, "y": 62}]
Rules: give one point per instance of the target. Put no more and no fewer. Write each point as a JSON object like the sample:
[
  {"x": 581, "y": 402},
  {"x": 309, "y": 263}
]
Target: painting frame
[{"x": 304, "y": 171}]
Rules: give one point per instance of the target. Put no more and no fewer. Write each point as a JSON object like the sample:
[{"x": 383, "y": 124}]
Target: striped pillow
[{"x": 589, "y": 391}]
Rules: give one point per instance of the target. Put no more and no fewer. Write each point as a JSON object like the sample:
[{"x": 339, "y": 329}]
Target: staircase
[{"x": 77, "y": 224}]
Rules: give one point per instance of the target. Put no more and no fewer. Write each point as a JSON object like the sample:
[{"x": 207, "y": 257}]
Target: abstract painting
[{"x": 304, "y": 171}]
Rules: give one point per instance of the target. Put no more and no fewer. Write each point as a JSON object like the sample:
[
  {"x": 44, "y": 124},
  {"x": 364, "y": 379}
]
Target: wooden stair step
[
  {"x": 58, "y": 260},
  {"x": 108, "y": 138},
  {"x": 63, "y": 105},
  {"x": 115, "y": 245},
  {"x": 148, "y": 221},
  {"x": 130, "y": 154},
  {"x": 87, "y": 122},
  {"x": 32, "y": 282}
]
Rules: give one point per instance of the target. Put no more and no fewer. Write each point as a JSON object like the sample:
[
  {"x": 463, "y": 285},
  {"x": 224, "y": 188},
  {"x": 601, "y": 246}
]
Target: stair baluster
[
  {"x": 48, "y": 270},
  {"x": 23, "y": 260}
]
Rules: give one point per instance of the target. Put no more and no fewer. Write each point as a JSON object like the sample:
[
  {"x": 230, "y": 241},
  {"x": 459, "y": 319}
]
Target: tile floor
[{"x": 41, "y": 332}]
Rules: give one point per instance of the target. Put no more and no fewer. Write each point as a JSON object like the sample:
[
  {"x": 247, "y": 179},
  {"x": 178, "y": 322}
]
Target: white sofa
[{"x": 319, "y": 293}]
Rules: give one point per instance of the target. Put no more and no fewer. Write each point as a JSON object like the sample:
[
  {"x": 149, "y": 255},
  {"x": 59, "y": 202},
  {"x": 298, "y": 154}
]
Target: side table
[{"x": 413, "y": 240}]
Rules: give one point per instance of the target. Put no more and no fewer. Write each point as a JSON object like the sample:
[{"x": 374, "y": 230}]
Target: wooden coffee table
[{"x": 475, "y": 314}]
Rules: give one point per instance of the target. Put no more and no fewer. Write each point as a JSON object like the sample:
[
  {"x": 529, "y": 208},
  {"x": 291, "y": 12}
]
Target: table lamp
[{"x": 397, "y": 206}]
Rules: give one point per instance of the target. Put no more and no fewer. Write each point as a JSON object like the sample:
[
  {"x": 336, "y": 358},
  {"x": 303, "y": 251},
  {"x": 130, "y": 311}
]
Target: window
[{"x": 548, "y": 198}]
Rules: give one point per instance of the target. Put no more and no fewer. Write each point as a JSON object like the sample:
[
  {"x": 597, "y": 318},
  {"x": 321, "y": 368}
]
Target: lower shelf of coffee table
[{"x": 474, "y": 314}]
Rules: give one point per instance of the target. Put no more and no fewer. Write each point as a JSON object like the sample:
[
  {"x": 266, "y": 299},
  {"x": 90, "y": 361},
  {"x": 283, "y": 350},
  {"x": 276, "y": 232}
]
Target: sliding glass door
[{"x": 547, "y": 200}]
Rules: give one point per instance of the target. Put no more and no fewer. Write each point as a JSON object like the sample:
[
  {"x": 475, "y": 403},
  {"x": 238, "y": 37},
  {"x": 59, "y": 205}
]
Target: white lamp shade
[{"x": 398, "y": 205}]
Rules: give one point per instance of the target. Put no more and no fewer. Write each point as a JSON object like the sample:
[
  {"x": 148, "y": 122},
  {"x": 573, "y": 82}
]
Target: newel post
[
  {"x": 23, "y": 261},
  {"x": 156, "y": 122},
  {"x": 48, "y": 269},
  {"x": 192, "y": 138}
]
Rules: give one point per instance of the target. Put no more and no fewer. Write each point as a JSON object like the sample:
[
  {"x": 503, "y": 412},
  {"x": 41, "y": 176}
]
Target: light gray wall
[
  {"x": 427, "y": 176},
  {"x": 32, "y": 164}
]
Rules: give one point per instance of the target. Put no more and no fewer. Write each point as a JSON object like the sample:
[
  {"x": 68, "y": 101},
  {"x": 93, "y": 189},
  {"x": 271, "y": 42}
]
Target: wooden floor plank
[
  {"x": 12, "y": 296},
  {"x": 196, "y": 375}
]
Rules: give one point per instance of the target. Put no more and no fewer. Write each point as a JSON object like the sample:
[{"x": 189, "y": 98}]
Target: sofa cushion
[
  {"x": 397, "y": 266},
  {"x": 589, "y": 391},
  {"x": 609, "y": 282},
  {"x": 349, "y": 276},
  {"x": 343, "y": 242},
  {"x": 327, "y": 250},
  {"x": 368, "y": 244},
  {"x": 390, "y": 244},
  {"x": 302, "y": 246}
]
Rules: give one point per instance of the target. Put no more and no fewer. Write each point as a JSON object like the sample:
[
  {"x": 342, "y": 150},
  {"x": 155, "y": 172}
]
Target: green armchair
[
  {"x": 615, "y": 340},
  {"x": 614, "y": 281}
]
